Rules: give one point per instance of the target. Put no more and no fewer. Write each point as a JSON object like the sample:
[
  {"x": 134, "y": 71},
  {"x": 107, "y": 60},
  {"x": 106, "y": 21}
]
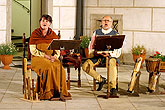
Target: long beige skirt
[{"x": 49, "y": 73}]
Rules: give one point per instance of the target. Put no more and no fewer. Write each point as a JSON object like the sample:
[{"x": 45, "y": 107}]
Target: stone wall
[
  {"x": 64, "y": 17},
  {"x": 143, "y": 21},
  {"x": 5, "y": 27},
  {"x": 3, "y": 21}
]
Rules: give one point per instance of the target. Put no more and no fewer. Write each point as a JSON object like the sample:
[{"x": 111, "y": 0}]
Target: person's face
[
  {"x": 106, "y": 23},
  {"x": 44, "y": 24}
]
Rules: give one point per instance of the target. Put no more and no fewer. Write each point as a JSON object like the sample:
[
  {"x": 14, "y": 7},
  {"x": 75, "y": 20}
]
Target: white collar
[{"x": 106, "y": 31}]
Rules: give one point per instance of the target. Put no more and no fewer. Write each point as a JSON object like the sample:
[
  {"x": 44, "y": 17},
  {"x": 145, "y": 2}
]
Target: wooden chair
[
  {"x": 25, "y": 68},
  {"x": 27, "y": 80},
  {"x": 68, "y": 65},
  {"x": 72, "y": 60}
]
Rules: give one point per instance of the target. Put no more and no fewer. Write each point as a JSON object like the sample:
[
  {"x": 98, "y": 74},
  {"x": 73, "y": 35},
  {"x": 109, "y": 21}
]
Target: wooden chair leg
[
  {"x": 36, "y": 95},
  {"x": 25, "y": 78},
  {"x": 94, "y": 84},
  {"x": 68, "y": 71},
  {"x": 39, "y": 88},
  {"x": 94, "y": 81},
  {"x": 79, "y": 77},
  {"x": 33, "y": 89},
  {"x": 29, "y": 84},
  {"x": 117, "y": 83}
]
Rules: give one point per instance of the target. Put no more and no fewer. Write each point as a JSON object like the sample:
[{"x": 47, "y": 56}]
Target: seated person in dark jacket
[{"x": 100, "y": 58}]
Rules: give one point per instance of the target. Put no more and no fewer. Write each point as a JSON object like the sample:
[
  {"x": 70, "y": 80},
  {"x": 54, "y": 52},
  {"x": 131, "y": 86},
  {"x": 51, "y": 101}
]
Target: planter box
[{"x": 162, "y": 66}]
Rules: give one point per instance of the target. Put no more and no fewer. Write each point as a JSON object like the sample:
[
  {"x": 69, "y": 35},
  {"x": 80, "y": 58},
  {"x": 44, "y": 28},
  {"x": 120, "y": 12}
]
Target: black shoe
[
  {"x": 128, "y": 91},
  {"x": 101, "y": 83},
  {"x": 113, "y": 92},
  {"x": 149, "y": 90}
]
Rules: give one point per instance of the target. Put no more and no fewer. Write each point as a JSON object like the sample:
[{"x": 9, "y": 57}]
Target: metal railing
[{"x": 28, "y": 10}]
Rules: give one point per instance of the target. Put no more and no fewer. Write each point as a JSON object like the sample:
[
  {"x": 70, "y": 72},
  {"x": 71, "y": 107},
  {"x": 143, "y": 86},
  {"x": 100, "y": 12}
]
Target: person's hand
[
  {"x": 104, "y": 54},
  {"x": 53, "y": 58},
  {"x": 47, "y": 56}
]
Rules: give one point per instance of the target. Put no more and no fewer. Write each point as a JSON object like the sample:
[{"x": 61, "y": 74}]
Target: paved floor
[{"x": 83, "y": 98}]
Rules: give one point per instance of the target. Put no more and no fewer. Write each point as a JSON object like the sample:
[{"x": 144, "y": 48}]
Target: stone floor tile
[
  {"x": 49, "y": 105},
  {"x": 12, "y": 100},
  {"x": 14, "y": 94},
  {"x": 117, "y": 105},
  {"x": 14, "y": 109},
  {"x": 15, "y": 106},
  {"x": 82, "y": 104},
  {"x": 148, "y": 104},
  {"x": 151, "y": 108}
]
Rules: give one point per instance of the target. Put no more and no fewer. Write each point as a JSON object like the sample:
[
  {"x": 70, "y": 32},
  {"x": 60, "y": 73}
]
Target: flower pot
[
  {"x": 6, "y": 60},
  {"x": 137, "y": 56},
  {"x": 86, "y": 52},
  {"x": 162, "y": 66}
]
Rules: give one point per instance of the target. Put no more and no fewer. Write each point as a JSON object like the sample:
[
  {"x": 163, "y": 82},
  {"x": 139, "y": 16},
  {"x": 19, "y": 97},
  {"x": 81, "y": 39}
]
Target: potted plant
[
  {"x": 84, "y": 44},
  {"x": 158, "y": 55},
  {"x": 138, "y": 51},
  {"x": 6, "y": 54},
  {"x": 162, "y": 57}
]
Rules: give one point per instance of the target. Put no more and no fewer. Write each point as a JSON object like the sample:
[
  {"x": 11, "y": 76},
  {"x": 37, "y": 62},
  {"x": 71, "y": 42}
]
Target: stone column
[
  {"x": 8, "y": 20},
  {"x": 47, "y": 8},
  {"x": 5, "y": 27},
  {"x": 79, "y": 19}
]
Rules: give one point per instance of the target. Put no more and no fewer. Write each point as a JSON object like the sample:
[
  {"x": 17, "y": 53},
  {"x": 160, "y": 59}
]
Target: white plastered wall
[
  {"x": 3, "y": 26},
  {"x": 64, "y": 17},
  {"x": 143, "y": 21}
]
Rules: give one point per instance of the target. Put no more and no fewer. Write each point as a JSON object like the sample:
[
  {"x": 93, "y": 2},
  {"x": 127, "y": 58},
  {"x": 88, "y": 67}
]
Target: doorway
[{"x": 25, "y": 18}]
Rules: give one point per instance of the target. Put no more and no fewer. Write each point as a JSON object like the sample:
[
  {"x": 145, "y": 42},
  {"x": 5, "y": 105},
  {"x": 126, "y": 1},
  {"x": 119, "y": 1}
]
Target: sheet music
[
  {"x": 56, "y": 44},
  {"x": 116, "y": 53},
  {"x": 103, "y": 42}
]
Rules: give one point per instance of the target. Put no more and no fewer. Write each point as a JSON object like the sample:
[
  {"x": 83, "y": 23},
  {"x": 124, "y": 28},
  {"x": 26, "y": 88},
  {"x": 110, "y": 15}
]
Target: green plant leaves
[
  {"x": 138, "y": 50},
  {"x": 8, "y": 49},
  {"x": 84, "y": 42}
]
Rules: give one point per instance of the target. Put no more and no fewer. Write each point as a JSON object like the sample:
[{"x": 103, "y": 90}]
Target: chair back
[{"x": 25, "y": 44}]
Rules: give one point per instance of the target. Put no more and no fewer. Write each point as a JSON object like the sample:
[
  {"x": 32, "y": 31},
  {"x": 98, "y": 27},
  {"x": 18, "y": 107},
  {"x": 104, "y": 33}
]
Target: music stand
[
  {"x": 103, "y": 43},
  {"x": 62, "y": 45},
  {"x": 114, "y": 42}
]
